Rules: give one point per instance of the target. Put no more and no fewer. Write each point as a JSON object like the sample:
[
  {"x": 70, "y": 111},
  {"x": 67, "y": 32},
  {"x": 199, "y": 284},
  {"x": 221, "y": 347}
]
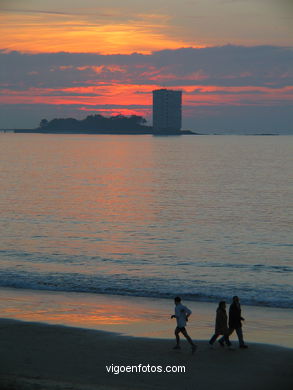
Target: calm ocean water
[{"x": 205, "y": 217}]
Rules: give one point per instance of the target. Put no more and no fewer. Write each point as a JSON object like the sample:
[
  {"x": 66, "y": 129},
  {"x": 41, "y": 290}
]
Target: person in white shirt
[{"x": 182, "y": 314}]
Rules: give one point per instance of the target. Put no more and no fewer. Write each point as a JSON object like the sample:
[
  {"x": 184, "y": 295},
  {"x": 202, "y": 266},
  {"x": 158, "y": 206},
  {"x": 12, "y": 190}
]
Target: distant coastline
[
  {"x": 141, "y": 132},
  {"x": 117, "y": 132},
  {"x": 98, "y": 124}
]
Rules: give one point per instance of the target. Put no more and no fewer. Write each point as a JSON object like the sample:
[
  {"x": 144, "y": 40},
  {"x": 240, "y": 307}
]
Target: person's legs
[
  {"x": 240, "y": 336},
  {"x": 225, "y": 338},
  {"x": 188, "y": 338},
  {"x": 214, "y": 338},
  {"x": 177, "y": 331}
]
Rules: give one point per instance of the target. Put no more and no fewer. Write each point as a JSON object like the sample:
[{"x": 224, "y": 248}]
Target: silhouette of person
[
  {"x": 221, "y": 325},
  {"x": 182, "y": 314},
  {"x": 235, "y": 322}
]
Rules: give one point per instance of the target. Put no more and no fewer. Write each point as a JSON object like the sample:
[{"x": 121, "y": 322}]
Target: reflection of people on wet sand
[
  {"x": 235, "y": 322},
  {"x": 221, "y": 326},
  {"x": 181, "y": 314}
]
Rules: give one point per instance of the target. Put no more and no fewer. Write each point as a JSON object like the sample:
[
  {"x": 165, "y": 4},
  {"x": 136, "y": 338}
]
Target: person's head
[
  {"x": 235, "y": 299},
  {"x": 177, "y": 300},
  {"x": 222, "y": 305}
]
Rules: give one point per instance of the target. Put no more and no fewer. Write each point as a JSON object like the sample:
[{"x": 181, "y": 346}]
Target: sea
[{"x": 205, "y": 217}]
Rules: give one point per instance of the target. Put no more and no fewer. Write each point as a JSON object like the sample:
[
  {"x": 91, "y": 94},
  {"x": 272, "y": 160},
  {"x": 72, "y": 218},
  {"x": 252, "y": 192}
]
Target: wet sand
[
  {"x": 140, "y": 317},
  {"x": 40, "y": 356}
]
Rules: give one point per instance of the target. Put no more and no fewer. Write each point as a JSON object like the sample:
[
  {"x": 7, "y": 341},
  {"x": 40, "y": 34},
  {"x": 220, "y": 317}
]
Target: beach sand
[
  {"x": 138, "y": 316},
  {"x": 40, "y": 356}
]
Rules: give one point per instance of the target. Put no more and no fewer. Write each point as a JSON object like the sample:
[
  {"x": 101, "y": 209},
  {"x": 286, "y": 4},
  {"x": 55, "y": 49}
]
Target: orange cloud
[
  {"x": 100, "y": 69},
  {"x": 45, "y": 32}
]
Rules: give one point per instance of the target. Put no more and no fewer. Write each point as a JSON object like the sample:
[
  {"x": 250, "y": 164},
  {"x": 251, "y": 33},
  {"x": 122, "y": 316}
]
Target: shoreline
[
  {"x": 182, "y": 132},
  {"x": 105, "y": 132},
  {"x": 53, "y": 357},
  {"x": 140, "y": 317}
]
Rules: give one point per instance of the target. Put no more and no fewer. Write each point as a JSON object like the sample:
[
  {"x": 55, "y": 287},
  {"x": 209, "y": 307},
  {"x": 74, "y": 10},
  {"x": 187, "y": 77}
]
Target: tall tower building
[{"x": 167, "y": 107}]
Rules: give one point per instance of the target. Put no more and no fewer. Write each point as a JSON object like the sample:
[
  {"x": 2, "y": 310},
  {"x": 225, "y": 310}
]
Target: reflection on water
[
  {"x": 88, "y": 198},
  {"x": 202, "y": 216}
]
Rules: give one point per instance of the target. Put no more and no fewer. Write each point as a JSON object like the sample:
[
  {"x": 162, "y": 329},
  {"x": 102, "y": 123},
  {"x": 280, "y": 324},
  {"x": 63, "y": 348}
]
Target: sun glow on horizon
[
  {"x": 69, "y": 58},
  {"x": 123, "y": 96}
]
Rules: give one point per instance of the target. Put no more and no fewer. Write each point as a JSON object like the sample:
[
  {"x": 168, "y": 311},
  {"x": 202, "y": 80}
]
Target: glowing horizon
[{"x": 76, "y": 58}]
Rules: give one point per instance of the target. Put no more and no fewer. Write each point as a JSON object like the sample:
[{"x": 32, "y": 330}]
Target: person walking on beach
[
  {"x": 182, "y": 314},
  {"x": 221, "y": 326},
  {"x": 235, "y": 322}
]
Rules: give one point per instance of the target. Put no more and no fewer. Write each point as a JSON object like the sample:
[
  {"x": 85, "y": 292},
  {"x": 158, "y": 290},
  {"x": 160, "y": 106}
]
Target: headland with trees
[{"x": 99, "y": 124}]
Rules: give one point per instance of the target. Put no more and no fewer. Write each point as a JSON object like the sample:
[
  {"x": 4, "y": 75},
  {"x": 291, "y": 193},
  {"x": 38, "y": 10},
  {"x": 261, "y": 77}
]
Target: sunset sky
[{"x": 233, "y": 60}]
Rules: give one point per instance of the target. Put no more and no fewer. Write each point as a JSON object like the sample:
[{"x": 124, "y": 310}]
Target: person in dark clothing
[
  {"x": 221, "y": 326},
  {"x": 235, "y": 322}
]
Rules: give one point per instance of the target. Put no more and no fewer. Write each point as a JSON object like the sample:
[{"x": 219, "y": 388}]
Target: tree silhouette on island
[
  {"x": 95, "y": 123},
  {"x": 99, "y": 124}
]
